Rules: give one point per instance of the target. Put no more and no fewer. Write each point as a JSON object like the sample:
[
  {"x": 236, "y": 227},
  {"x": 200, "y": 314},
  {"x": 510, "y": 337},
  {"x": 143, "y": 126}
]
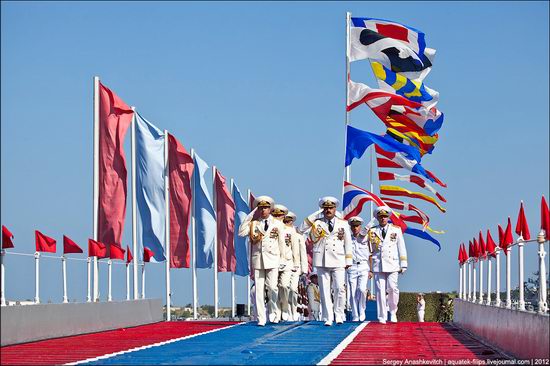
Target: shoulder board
[{"x": 395, "y": 226}]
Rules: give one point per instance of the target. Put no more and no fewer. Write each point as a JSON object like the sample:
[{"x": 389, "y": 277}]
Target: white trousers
[
  {"x": 266, "y": 278},
  {"x": 284, "y": 291},
  {"x": 386, "y": 281},
  {"x": 337, "y": 277},
  {"x": 293, "y": 295},
  {"x": 420, "y": 316},
  {"x": 358, "y": 277}
]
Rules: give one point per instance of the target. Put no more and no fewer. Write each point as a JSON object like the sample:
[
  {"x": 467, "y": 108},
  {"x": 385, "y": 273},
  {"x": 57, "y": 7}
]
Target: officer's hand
[
  {"x": 403, "y": 270},
  {"x": 370, "y": 274}
]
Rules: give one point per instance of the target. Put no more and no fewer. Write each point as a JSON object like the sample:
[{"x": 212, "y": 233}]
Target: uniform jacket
[
  {"x": 266, "y": 245},
  {"x": 389, "y": 254},
  {"x": 331, "y": 249},
  {"x": 291, "y": 252}
]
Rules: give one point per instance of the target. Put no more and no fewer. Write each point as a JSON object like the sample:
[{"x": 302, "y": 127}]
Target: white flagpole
[
  {"x": 460, "y": 281},
  {"x": 134, "y": 207},
  {"x": 64, "y": 270},
  {"x": 521, "y": 302},
  {"x": 96, "y": 181},
  {"x": 37, "y": 277},
  {"x": 470, "y": 263},
  {"x": 480, "y": 300},
  {"x": 543, "y": 297},
  {"x": 508, "y": 278},
  {"x": 193, "y": 242},
  {"x": 249, "y": 262},
  {"x": 497, "y": 277},
  {"x": 464, "y": 292},
  {"x": 143, "y": 280},
  {"x": 347, "y": 175},
  {"x": 489, "y": 279},
  {"x": 89, "y": 271},
  {"x": 215, "y": 265},
  {"x": 109, "y": 279},
  {"x": 127, "y": 281},
  {"x": 167, "y": 224},
  {"x": 233, "y": 272},
  {"x": 2, "y": 280},
  {"x": 474, "y": 290}
]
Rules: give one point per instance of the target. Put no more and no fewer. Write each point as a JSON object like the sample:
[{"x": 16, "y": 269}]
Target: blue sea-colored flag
[
  {"x": 422, "y": 235},
  {"x": 205, "y": 218},
  {"x": 241, "y": 253},
  {"x": 151, "y": 203},
  {"x": 358, "y": 141}
]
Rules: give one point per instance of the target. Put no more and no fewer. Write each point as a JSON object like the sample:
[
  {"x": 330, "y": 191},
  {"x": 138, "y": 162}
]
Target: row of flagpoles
[
  {"x": 480, "y": 250},
  {"x": 400, "y": 61}
]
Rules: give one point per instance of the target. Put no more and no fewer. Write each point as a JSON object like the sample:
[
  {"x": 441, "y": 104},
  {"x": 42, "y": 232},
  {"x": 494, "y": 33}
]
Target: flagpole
[
  {"x": 215, "y": 246},
  {"x": 109, "y": 278},
  {"x": 64, "y": 270},
  {"x": 347, "y": 175},
  {"x": 127, "y": 281},
  {"x": 249, "y": 262},
  {"x": 2, "y": 279},
  {"x": 193, "y": 242},
  {"x": 89, "y": 292},
  {"x": 233, "y": 272},
  {"x": 37, "y": 277},
  {"x": 143, "y": 280},
  {"x": 96, "y": 182},
  {"x": 134, "y": 207},
  {"x": 167, "y": 224}
]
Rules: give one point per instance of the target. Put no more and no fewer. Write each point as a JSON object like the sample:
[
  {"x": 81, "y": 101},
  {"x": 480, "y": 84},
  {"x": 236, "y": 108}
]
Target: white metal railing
[
  {"x": 468, "y": 269},
  {"x": 89, "y": 279}
]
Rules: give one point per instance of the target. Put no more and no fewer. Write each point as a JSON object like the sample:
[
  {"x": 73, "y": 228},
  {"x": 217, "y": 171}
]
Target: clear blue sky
[{"x": 258, "y": 90}]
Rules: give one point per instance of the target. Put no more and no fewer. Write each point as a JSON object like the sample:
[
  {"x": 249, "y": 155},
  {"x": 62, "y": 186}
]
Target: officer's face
[
  {"x": 329, "y": 212},
  {"x": 383, "y": 220},
  {"x": 355, "y": 229},
  {"x": 288, "y": 221},
  {"x": 314, "y": 279},
  {"x": 264, "y": 212}
]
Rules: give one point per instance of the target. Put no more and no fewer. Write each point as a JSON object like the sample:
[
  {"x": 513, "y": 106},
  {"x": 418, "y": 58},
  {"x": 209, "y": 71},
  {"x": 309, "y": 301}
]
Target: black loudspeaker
[{"x": 240, "y": 310}]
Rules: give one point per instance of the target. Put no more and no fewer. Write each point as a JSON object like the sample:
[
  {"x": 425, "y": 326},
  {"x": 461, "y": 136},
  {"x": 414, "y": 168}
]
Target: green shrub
[{"x": 434, "y": 312}]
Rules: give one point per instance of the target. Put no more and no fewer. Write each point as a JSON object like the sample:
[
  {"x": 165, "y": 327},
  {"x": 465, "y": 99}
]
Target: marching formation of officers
[{"x": 345, "y": 255}]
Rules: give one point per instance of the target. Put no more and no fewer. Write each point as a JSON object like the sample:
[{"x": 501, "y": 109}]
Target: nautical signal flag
[
  {"x": 225, "y": 214},
  {"x": 129, "y": 256},
  {"x": 44, "y": 243},
  {"x": 409, "y": 178},
  {"x": 147, "y": 254},
  {"x": 522, "y": 228},
  {"x": 96, "y": 249},
  {"x": 544, "y": 218},
  {"x": 7, "y": 238},
  {"x": 116, "y": 252},
  {"x": 398, "y": 191},
  {"x": 491, "y": 246},
  {"x": 70, "y": 246}
]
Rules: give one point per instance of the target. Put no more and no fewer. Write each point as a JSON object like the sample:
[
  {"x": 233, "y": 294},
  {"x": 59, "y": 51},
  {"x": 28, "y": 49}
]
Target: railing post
[
  {"x": 543, "y": 301},
  {"x": 470, "y": 280},
  {"x": 489, "y": 275},
  {"x": 64, "y": 270},
  {"x": 143, "y": 280},
  {"x": 521, "y": 303},
  {"x": 508, "y": 278},
  {"x": 480, "y": 300},
  {"x": 127, "y": 281},
  {"x": 474, "y": 296},
  {"x": 109, "y": 278},
  {"x": 2, "y": 273},
  {"x": 497, "y": 277},
  {"x": 464, "y": 293},
  {"x": 37, "y": 277},
  {"x": 460, "y": 288},
  {"x": 89, "y": 293}
]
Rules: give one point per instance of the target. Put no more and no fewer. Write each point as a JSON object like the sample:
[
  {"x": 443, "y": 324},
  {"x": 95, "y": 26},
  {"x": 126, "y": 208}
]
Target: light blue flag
[
  {"x": 205, "y": 218},
  {"x": 151, "y": 213},
  {"x": 241, "y": 254}
]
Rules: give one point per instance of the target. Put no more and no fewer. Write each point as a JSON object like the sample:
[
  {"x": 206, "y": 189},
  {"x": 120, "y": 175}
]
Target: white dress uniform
[
  {"x": 314, "y": 301},
  {"x": 420, "y": 309},
  {"x": 389, "y": 256},
  {"x": 358, "y": 276},
  {"x": 331, "y": 254},
  {"x": 300, "y": 263},
  {"x": 286, "y": 272},
  {"x": 267, "y": 242}
]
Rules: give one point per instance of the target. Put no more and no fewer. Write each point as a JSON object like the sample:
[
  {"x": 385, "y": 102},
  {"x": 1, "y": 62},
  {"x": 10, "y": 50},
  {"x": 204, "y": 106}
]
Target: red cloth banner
[
  {"x": 505, "y": 237},
  {"x": 44, "y": 243},
  {"x": 522, "y": 228},
  {"x": 97, "y": 249},
  {"x": 129, "y": 256},
  {"x": 148, "y": 254},
  {"x": 116, "y": 252},
  {"x": 115, "y": 117},
  {"x": 180, "y": 167},
  {"x": 482, "y": 246},
  {"x": 7, "y": 238},
  {"x": 225, "y": 222},
  {"x": 70, "y": 246},
  {"x": 491, "y": 246},
  {"x": 544, "y": 217}
]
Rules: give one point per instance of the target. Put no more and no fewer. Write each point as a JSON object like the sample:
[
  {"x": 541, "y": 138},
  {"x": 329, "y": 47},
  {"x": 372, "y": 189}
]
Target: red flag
[
  {"x": 44, "y": 243},
  {"x": 97, "y": 249},
  {"x": 477, "y": 249},
  {"x": 471, "y": 250},
  {"x": 70, "y": 246},
  {"x": 460, "y": 256},
  {"x": 116, "y": 252},
  {"x": 464, "y": 252},
  {"x": 180, "y": 166},
  {"x": 148, "y": 254},
  {"x": 114, "y": 119},
  {"x": 522, "y": 228},
  {"x": 482, "y": 246},
  {"x": 545, "y": 218},
  {"x": 129, "y": 256},
  {"x": 225, "y": 222},
  {"x": 507, "y": 238},
  {"x": 7, "y": 237},
  {"x": 491, "y": 246}
]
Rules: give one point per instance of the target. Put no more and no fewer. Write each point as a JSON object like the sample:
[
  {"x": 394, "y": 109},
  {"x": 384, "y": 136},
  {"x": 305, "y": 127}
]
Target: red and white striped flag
[{"x": 382, "y": 176}]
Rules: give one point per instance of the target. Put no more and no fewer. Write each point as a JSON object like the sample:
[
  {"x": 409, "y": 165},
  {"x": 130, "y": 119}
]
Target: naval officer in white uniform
[
  {"x": 389, "y": 258},
  {"x": 331, "y": 257},
  {"x": 358, "y": 273},
  {"x": 267, "y": 243}
]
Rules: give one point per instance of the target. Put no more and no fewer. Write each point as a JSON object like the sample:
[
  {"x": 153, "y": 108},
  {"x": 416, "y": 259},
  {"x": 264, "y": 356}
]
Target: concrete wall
[
  {"x": 26, "y": 323},
  {"x": 518, "y": 333}
]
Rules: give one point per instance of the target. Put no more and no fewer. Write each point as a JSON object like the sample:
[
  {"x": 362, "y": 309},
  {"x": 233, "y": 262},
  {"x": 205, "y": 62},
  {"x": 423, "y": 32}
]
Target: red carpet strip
[
  {"x": 377, "y": 344},
  {"x": 71, "y": 349}
]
